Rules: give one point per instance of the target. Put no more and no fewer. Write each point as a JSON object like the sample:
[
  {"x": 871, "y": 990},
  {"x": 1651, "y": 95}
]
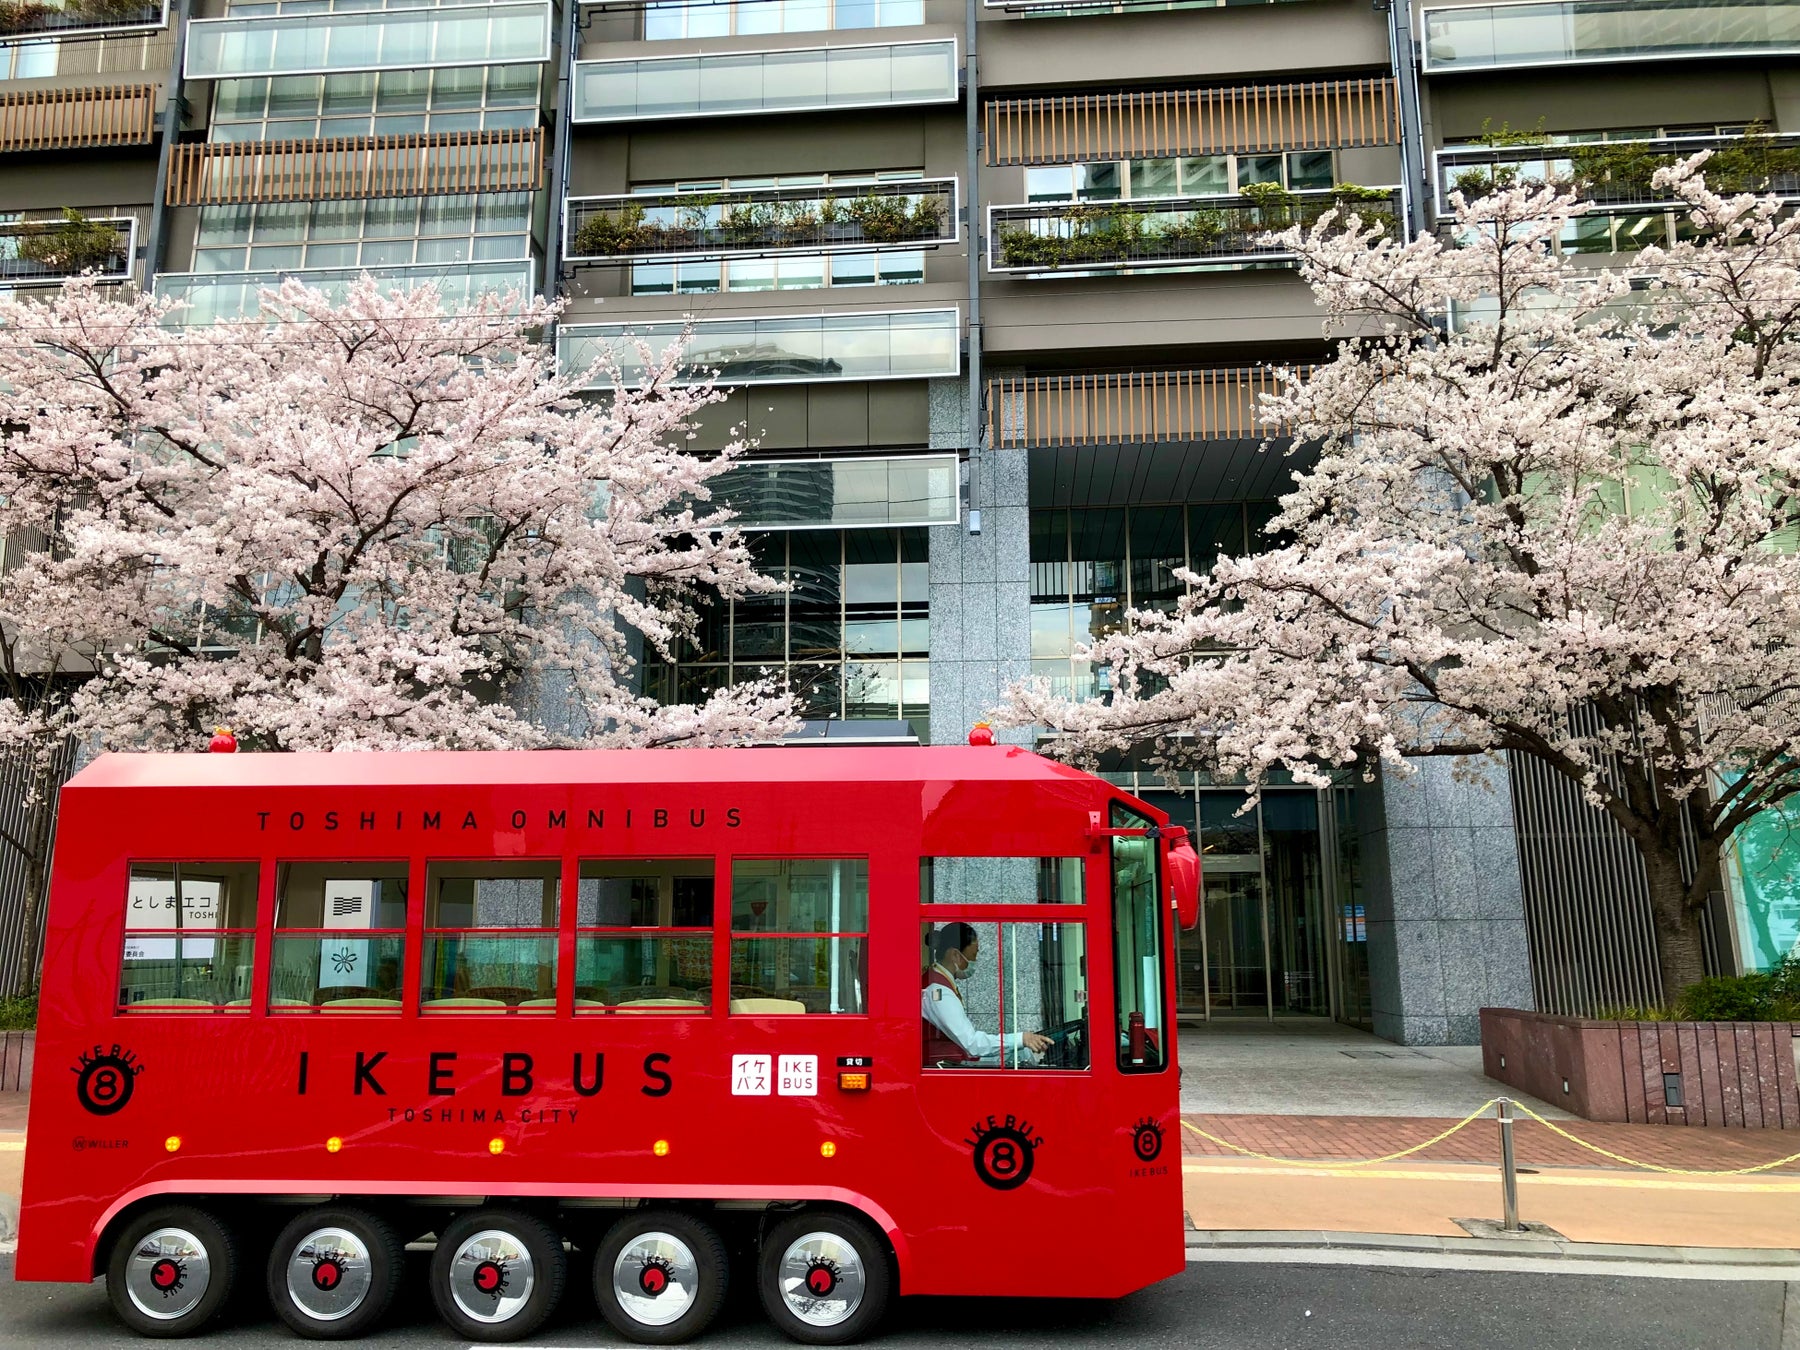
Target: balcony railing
[
  {"x": 734, "y": 83},
  {"x": 1615, "y": 175},
  {"x": 912, "y": 344},
  {"x": 1130, "y": 407},
  {"x": 78, "y": 119},
  {"x": 361, "y": 166},
  {"x": 47, "y": 251},
  {"x": 1078, "y": 7},
  {"x": 1158, "y": 123},
  {"x": 229, "y": 295},
  {"x": 1583, "y": 32},
  {"x": 866, "y": 492},
  {"x": 1163, "y": 231},
  {"x": 512, "y": 33},
  {"x": 747, "y": 224},
  {"x": 28, "y": 19}
]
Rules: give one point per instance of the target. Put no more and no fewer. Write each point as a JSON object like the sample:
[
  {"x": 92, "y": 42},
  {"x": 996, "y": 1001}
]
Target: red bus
[{"x": 845, "y": 1023}]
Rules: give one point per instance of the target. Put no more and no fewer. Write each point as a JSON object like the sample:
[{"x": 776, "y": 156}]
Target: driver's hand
[{"x": 1036, "y": 1042}]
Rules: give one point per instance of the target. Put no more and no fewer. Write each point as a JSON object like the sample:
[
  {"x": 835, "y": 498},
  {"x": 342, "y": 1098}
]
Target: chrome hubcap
[
  {"x": 329, "y": 1273},
  {"x": 821, "y": 1279},
  {"x": 656, "y": 1279},
  {"x": 168, "y": 1273},
  {"x": 491, "y": 1276}
]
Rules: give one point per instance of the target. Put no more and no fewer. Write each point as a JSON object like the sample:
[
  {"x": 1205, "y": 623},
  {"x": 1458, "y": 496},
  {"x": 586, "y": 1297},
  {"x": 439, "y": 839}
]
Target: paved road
[{"x": 1245, "y": 1307}]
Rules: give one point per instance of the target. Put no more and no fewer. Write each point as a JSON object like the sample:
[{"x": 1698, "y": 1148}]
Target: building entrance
[{"x": 1281, "y": 930}]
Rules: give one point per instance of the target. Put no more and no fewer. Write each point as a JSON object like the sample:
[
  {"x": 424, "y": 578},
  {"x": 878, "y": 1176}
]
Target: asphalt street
[{"x": 1245, "y": 1307}]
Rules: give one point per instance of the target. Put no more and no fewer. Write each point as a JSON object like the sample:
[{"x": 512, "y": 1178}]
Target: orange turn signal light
[{"x": 853, "y": 1082}]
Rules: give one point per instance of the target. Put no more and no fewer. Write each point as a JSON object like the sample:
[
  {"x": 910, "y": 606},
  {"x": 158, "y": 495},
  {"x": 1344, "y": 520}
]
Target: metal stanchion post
[{"x": 1509, "y": 1173}]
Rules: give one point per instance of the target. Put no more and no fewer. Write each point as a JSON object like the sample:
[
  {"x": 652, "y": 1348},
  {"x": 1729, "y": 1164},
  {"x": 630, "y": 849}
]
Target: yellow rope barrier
[
  {"x": 1470, "y": 1119},
  {"x": 1467, "y": 1120}
]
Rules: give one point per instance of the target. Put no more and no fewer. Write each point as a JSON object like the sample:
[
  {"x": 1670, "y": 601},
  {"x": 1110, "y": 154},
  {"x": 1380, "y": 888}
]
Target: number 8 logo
[
  {"x": 104, "y": 1085},
  {"x": 1003, "y": 1158}
]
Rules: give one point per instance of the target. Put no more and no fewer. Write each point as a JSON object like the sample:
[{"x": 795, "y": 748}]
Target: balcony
[
  {"x": 866, "y": 492},
  {"x": 218, "y": 172},
  {"x": 1130, "y": 408},
  {"x": 1615, "y": 175},
  {"x": 212, "y": 296},
  {"x": 1072, "y": 8},
  {"x": 34, "y": 252},
  {"x": 1144, "y": 233},
  {"x": 734, "y": 83},
  {"x": 78, "y": 119},
  {"x": 1160, "y": 123},
  {"x": 646, "y": 227},
  {"x": 1586, "y": 32},
  {"x": 21, "y": 22},
  {"x": 912, "y": 344},
  {"x": 331, "y": 43}
]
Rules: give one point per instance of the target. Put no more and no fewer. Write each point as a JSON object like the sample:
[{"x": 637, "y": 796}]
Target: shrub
[
  {"x": 18, "y": 1014},
  {"x": 610, "y": 233},
  {"x": 1726, "y": 998},
  {"x": 72, "y": 245}
]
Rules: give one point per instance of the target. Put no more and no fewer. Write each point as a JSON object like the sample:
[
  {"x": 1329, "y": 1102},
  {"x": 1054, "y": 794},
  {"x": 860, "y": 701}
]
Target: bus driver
[{"x": 951, "y": 1039}]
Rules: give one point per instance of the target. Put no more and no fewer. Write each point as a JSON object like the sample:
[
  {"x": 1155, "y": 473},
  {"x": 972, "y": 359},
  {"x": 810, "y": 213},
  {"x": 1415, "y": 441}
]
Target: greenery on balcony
[
  {"x": 1621, "y": 171},
  {"x": 35, "y": 16},
  {"x": 704, "y": 225},
  {"x": 1087, "y": 234},
  {"x": 63, "y": 248}
]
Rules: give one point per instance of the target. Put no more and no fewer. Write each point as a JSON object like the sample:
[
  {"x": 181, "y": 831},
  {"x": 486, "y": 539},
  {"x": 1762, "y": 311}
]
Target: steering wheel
[{"x": 1068, "y": 1045}]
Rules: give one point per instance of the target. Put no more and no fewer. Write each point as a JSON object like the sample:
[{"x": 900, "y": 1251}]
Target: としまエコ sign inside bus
[{"x": 862, "y": 1014}]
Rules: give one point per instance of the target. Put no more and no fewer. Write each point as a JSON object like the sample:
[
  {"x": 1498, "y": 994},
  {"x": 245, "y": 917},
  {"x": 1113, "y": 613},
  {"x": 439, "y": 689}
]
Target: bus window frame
[
  {"x": 724, "y": 902},
  {"x": 1096, "y": 892},
  {"x": 410, "y": 953},
  {"x": 261, "y": 948},
  {"x": 1165, "y": 931},
  {"x": 413, "y": 984},
  {"x": 720, "y": 868}
]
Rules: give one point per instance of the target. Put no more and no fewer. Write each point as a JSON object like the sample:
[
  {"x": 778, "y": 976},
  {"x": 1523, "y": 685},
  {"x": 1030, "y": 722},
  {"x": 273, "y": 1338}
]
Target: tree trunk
[
  {"x": 1680, "y": 956},
  {"x": 40, "y": 816}
]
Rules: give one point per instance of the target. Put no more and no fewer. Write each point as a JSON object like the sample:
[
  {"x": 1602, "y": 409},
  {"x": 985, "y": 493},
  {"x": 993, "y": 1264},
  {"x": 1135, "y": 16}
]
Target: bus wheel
[
  {"x": 497, "y": 1274},
  {"x": 171, "y": 1271},
  {"x": 823, "y": 1277},
  {"x": 333, "y": 1272},
  {"x": 660, "y": 1277}
]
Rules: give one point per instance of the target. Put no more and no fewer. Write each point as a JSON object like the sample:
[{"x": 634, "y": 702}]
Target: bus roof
[{"x": 425, "y": 768}]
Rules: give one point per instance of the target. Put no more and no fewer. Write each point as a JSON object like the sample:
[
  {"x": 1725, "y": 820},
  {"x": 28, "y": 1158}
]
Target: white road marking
[{"x": 1481, "y": 1261}]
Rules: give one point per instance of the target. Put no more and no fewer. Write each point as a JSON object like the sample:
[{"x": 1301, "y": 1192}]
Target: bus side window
[
  {"x": 1006, "y": 995},
  {"x": 799, "y": 935},
  {"x": 190, "y": 937},
  {"x": 490, "y": 937},
  {"x": 1137, "y": 946},
  {"x": 644, "y": 931},
  {"x": 340, "y": 937}
]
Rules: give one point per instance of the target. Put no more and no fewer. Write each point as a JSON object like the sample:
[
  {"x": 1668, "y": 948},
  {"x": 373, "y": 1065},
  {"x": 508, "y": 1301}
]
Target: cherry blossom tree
[
  {"x": 1554, "y": 513},
  {"x": 340, "y": 526}
]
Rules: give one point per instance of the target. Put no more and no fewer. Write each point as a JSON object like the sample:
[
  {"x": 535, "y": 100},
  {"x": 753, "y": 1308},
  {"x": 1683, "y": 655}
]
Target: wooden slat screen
[
  {"x": 74, "y": 119},
  {"x": 417, "y": 165},
  {"x": 1150, "y": 123},
  {"x": 1129, "y": 408}
]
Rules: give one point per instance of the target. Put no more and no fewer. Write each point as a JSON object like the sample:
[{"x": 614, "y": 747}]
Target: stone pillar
[
  {"x": 980, "y": 584},
  {"x": 1442, "y": 901}
]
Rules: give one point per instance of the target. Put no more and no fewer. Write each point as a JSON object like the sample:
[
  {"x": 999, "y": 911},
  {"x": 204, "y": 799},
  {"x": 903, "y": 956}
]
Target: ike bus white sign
[{"x": 792, "y": 1076}]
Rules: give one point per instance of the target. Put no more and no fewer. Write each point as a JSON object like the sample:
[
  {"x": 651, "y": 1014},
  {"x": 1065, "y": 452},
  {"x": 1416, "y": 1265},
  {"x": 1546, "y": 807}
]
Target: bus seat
[
  {"x": 767, "y": 1005},
  {"x": 541, "y": 1004},
  {"x": 155, "y": 1004},
  {"x": 364, "y": 1003},
  {"x": 453, "y": 1003},
  {"x": 651, "y": 1004}
]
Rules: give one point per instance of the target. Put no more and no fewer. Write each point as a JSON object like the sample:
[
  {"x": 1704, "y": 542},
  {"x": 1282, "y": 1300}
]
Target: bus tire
[
  {"x": 333, "y": 1272},
  {"x": 497, "y": 1274},
  {"x": 823, "y": 1277},
  {"x": 171, "y": 1270},
  {"x": 660, "y": 1276}
]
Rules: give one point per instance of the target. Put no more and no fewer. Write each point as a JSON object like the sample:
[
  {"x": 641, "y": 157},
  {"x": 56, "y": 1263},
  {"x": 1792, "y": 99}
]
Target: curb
[{"x": 1545, "y": 1248}]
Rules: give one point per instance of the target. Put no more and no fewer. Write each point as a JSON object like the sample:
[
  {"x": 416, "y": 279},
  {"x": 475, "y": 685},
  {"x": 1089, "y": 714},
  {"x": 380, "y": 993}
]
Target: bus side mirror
[{"x": 1184, "y": 877}]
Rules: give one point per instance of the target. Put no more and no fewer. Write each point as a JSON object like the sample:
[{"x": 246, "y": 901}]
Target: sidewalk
[
  {"x": 12, "y": 1160},
  {"x": 1330, "y": 1094}
]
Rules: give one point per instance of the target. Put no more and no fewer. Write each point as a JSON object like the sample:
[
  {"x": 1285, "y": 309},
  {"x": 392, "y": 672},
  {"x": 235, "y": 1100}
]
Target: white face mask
[{"x": 968, "y": 969}]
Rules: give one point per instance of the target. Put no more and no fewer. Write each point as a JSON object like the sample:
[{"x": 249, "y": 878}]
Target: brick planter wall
[
  {"x": 16, "y": 1049},
  {"x": 1744, "y": 1074}
]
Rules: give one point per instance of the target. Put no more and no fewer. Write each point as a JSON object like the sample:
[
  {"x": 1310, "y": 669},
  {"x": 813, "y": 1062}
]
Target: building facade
[{"x": 988, "y": 282}]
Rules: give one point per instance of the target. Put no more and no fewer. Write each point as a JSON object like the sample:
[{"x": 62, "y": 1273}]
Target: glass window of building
[
  {"x": 190, "y": 937},
  {"x": 670, "y": 19},
  {"x": 1195, "y": 176},
  {"x": 1092, "y": 566},
  {"x": 490, "y": 937},
  {"x": 340, "y": 937},
  {"x": 799, "y": 935},
  {"x": 380, "y": 232},
  {"x": 365, "y": 103},
  {"x": 643, "y": 939},
  {"x": 852, "y": 637}
]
